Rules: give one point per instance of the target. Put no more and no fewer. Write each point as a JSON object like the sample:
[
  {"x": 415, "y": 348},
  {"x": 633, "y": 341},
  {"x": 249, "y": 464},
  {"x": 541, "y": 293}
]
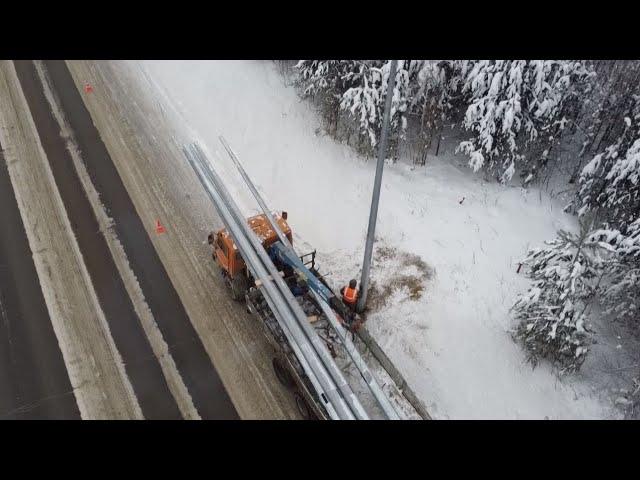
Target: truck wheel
[
  {"x": 303, "y": 407},
  {"x": 281, "y": 372}
]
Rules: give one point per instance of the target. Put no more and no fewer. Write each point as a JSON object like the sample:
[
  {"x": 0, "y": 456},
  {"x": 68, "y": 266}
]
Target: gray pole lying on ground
[{"x": 373, "y": 214}]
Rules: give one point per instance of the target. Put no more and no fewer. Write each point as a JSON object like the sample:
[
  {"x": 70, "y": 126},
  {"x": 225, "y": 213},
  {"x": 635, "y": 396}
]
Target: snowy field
[{"x": 450, "y": 340}]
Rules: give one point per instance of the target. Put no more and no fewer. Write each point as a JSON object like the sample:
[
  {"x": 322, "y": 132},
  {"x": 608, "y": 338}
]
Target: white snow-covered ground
[{"x": 453, "y": 343}]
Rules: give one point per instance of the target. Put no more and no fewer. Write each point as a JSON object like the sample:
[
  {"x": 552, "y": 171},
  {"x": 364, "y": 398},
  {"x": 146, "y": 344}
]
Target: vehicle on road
[{"x": 296, "y": 273}]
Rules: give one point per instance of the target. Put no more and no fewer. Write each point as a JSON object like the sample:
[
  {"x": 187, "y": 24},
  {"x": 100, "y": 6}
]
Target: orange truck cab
[{"x": 227, "y": 255}]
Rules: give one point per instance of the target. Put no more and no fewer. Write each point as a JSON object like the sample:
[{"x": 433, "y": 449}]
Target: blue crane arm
[{"x": 285, "y": 255}]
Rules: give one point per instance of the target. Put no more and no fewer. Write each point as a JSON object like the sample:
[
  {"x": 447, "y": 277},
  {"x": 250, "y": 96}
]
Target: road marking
[
  {"x": 159, "y": 346},
  {"x": 73, "y": 323}
]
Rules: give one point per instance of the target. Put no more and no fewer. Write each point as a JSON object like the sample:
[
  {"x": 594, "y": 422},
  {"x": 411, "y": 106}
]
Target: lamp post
[{"x": 373, "y": 214}]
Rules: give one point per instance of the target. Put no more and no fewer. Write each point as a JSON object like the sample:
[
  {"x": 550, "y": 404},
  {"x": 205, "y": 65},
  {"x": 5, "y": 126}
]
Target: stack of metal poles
[
  {"x": 325, "y": 376},
  {"x": 374, "y": 387}
]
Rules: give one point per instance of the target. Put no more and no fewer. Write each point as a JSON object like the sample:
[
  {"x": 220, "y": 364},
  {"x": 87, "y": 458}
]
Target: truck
[
  {"x": 316, "y": 350},
  {"x": 243, "y": 288}
]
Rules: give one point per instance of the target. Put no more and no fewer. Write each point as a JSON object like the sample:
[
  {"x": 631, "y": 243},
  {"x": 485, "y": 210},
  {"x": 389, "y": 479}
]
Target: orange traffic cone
[{"x": 159, "y": 228}]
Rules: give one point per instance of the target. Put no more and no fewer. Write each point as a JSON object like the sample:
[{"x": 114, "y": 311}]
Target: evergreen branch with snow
[
  {"x": 610, "y": 182},
  {"x": 621, "y": 297}
]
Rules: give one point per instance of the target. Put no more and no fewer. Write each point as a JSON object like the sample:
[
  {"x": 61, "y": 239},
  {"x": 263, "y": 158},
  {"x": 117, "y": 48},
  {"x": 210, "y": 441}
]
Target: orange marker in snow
[
  {"x": 159, "y": 228},
  {"x": 88, "y": 88}
]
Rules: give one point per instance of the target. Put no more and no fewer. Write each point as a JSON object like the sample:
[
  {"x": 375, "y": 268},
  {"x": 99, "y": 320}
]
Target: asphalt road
[
  {"x": 33, "y": 378},
  {"x": 144, "y": 140},
  {"x": 111, "y": 321},
  {"x": 201, "y": 378},
  {"x": 143, "y": 370}
]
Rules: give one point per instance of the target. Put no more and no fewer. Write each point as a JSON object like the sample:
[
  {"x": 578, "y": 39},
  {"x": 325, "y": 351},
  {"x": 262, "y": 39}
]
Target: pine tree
[
  {"x": 609, "y": 270},
  {"x": 513, "y": 104},
  {"x": 432, "y": 100},
  {"x": 552, "y": 315},
  {"x": 610, "y": 191},
  {"x": 365, "y": 100},
  {"x": 358, "y": 89},
  {"x": 516, "y": 109},
  {"x": 616, "y": 84},
  {"x": 621, "y": 297},
  {"x": 326, "y": 81},
  {"x": 610, "y": 182}
]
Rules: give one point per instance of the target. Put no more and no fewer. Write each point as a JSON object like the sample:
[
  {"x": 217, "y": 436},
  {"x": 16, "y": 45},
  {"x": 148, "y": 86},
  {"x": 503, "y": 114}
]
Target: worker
[
  {"x": 350, "y": 294},
  {"x": 297, "y": 286}
]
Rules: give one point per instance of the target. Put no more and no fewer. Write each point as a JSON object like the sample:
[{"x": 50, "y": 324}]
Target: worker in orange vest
[{"x": 350, "y": 294}]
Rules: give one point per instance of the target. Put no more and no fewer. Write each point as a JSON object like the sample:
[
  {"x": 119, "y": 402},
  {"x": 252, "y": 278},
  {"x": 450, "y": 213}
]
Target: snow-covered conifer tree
[
  {"x": 616, "y": 84},
  {"x": 365, "y": 100},
  {"x": 512, "y": 104},
  {"x": 508, "y": 104},
  {"x": 358, "y": 89},
  {"x": 327, "y": 80},
  {"x": 552, "y": 315},
  {"x": 621, "y": 295},
  {"x": 610, "y": 191},
  {"x": 610, "y": 266},
  {"x": 610, "y": 182}
]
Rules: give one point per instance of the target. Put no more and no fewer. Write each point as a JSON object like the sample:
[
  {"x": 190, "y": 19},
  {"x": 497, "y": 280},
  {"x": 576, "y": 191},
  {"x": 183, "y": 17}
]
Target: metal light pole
[{"x": 373, "y": 215}]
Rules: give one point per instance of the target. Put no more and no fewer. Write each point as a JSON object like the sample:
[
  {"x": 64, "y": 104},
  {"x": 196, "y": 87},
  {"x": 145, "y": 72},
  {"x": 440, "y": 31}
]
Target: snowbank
[{"x": 453, "y": 342}]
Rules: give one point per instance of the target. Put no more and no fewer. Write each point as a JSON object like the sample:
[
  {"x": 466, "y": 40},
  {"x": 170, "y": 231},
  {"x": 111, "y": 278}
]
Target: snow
[{"x": 453, "y": 343}]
